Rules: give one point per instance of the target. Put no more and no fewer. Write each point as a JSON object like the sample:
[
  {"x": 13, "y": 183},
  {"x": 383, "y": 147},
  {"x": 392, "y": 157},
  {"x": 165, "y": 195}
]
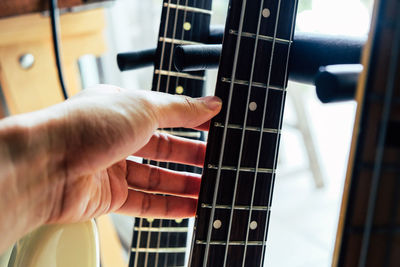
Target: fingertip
[{"x": 213, "y": 103}]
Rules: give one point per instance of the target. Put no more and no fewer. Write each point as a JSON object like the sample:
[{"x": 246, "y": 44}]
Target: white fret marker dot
[
  {"x": 217, "y": 224},
  {"x": 253, "y": 106},
  {"x": 150, "y": 220},
  {"x": 187, "y": 26},
  {"x": 179, "y": 90},
  {"x": 253, "y": 225},
  {"x": 266, "y": 13},
  {"x": 178, "y": 221}
]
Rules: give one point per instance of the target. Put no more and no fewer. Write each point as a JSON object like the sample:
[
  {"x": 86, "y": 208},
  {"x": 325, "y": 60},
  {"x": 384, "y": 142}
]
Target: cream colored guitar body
[{"x": 66, "y": 245}]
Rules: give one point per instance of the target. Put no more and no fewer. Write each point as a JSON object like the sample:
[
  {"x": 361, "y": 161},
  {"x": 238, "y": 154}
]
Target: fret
[
  {"x": 230, "y": 243},
  {"x": 160, "y": 250},
  {"x": 255, "y": 84},
  {"x": 179, "y": 74},
  {"x": 236, "y": 207},
  {"x": 248, "y": 128},
  {"x": 241, "y": 169},
  {"x": 187, "y": 134},
  {"x": 255, "y": 108},
  {"x": 270, "y": 56},
  {"x": 188, "y": 8},
  {"x": 179, "y": 85},
  {"x": 262, "y": 37},
  {"x": 177, "y": 41},
  {"x": 249, "y": 158},
  {"x": 162, "y": 229}
]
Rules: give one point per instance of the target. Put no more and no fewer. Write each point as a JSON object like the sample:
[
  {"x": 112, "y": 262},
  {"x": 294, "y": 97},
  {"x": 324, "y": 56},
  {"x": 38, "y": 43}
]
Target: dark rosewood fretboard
[
  {"x": 369, "y": 228},
  {"x": 163, "y": 243},
  {"x": 236, "y": 192}
]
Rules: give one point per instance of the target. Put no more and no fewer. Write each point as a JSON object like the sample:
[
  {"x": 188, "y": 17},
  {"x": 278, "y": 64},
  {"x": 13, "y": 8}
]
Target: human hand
[{"x": 94, "y": 133}]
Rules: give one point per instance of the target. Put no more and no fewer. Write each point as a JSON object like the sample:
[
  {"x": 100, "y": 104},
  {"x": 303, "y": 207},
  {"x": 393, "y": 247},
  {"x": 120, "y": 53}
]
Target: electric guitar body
[
  {"x": 234, "y": 205},
  {"x": 156, "y": 242},
  {"x": 62, "y": 245},
  {"x": 368, "y": 232}
]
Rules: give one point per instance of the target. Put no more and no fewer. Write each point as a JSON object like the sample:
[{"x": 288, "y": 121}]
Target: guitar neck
[
  {"x": 164, "y": 242},
  {"x": 236, "y": 191},
  {"x": 368, "y": 233}
]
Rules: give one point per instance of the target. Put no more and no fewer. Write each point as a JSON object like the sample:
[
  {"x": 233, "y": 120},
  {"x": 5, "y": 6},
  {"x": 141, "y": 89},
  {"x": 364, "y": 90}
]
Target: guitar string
[
  {"x": 381, "y": 145},
  {"x": 279, "y": 125},
  {"x": 220, "y": 160},
  {"x": 146, "y": 257},
  {"x": 242, "y": 136},
  {"x": 138, "y": 241},
  {"x": 163, "y": 46},
  {"x": 172, "y": 44},
  {"x": 158, "y": 89}
]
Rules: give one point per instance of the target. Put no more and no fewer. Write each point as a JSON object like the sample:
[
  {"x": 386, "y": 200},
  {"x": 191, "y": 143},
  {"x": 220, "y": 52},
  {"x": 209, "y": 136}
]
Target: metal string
[
  {"x": 158, "y": 89},
  {"x": 242, "y": 138},
  {"x": 172, "y": 43},
  {"x": 163, "y": 45},
  {"x": 138, "y": 242},
  {"x": 381, "y": 146},
  {"x": 148, "y": 244},
  {"x": 280, "y": 118},
  {"x": 233, "y": 77}
]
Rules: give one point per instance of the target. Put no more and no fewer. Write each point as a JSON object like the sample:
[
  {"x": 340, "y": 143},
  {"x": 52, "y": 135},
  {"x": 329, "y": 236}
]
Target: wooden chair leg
[{"x": 303, "y": 126}]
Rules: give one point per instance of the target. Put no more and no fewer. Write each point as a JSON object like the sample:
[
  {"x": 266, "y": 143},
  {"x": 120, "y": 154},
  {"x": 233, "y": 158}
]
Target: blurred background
[{"x": 308, "y": 191}]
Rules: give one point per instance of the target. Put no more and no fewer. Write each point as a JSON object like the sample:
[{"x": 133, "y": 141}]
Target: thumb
[{"x": 187, "y": 112}]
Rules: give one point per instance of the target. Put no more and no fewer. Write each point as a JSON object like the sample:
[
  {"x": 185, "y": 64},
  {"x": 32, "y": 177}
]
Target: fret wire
[
  {"x": 248, "y": 128},
  {"x": 162, "y": 229},
  {"x": 163, "y": 46},
  {"x": 193, "y": 134},
  {"x": 231, "y": 243},
  {"x": 177, "y": 41},
  {"x": 389, "y": 92},
  {"x": 256, "y": 84},
  {"x": 236, "y": 207},
  {"x": 189, "y": 8},
  {"x": 262, "y": 37},
  {"x": 242, "y": 169},
  {"x": 242, "y": 141},
  {"x": 280, "y": 115},
  {"x": 178, "y": 74},
  {"x": 235, "y": 60},
  {"x": 159, "y": 250}
]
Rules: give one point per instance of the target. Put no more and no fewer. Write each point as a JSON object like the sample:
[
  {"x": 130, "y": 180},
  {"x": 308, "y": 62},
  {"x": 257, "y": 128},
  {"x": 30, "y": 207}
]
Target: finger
[
  {"x": 166, "y": 147},
  {"x": 184, "y": 111},
  {"x": 154, "y": 179},
  {"x": 140, "y": 204}
]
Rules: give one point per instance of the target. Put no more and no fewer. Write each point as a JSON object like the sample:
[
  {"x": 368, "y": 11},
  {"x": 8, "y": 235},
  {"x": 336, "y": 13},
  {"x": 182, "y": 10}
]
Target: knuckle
[
  {"x": 190, "y": 105},
  {"x": 154, "y": 178},
  {"x": 146, "y": 204},
  {"x": 163, "y": 146}
]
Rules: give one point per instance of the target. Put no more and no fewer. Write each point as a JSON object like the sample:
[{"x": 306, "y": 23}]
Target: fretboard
[
  {"x": 163, "y": 243},
  {"x": 369, "y": 230},
  {"x": 238, "y": 177}
]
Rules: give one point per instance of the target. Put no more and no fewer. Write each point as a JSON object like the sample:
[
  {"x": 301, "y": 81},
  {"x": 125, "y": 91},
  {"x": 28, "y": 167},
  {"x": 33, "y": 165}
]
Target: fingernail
[{"x": 212, "y": 102}]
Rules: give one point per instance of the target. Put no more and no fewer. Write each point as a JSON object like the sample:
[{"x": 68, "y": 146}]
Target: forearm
[{"x": 27, "y": 158}]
